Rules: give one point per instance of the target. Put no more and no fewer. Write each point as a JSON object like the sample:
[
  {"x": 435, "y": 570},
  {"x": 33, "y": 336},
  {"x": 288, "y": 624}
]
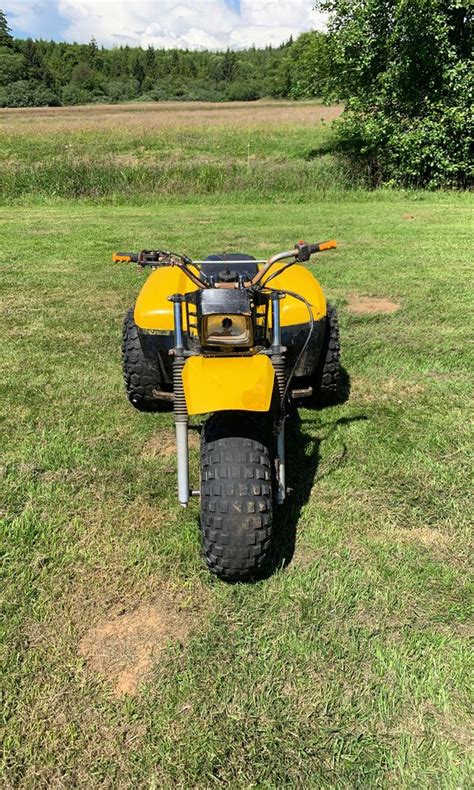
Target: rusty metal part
[
  {"x": 160, "y": 395},
  {"x": 255, "y": 280},
  {"x": 305, "y": 392}
]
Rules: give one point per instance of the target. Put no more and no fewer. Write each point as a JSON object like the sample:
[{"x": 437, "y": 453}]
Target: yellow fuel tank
[{"x": 153, "y": 311}]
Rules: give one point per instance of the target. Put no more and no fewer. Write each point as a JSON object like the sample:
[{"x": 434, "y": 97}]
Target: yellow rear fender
[{"x": 228, "y": 383}]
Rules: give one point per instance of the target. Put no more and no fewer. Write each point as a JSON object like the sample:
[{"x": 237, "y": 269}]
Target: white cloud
[
  {"x": 27, "y": 17},
  {"x": 202, "y": 24}
]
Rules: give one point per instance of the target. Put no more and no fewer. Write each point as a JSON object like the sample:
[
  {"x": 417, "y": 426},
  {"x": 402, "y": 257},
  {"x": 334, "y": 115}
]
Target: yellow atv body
[
  {"x": 235, "y": 339},
  {"x": 217, "y": 383}
]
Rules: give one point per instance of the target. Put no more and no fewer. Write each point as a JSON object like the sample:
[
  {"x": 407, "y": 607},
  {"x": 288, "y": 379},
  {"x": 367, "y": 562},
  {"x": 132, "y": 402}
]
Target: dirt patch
[
  {"x": 391, "y": 389},
  {"x": 124, "y": 646},
  {"x": 163, "y": 444},
  {"x": 421, "y": 535},
  {"x": 370, "y": 305},
  {"x": 408, "y": 216}
]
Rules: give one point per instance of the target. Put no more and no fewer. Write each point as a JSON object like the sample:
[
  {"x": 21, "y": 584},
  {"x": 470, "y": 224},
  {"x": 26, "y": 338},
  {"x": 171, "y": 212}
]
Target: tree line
[{"x": 42, "y": 73}]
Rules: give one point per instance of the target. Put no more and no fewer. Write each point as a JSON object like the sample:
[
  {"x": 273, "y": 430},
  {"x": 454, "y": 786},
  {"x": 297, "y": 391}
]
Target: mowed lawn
[{"x": 127, "y": 664}]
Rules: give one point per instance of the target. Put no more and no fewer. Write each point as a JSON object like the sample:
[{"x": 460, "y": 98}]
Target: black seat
[{"x": 225, "y": 261}]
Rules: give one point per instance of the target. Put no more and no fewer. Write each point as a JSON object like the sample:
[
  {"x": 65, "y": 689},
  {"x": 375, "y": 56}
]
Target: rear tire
[
  {"x": 328, "y": 373},
  {"x": 236, "y": 497},
  {"x": 140, "y": 377}
]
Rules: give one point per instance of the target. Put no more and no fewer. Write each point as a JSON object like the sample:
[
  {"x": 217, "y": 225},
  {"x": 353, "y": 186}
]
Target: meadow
[
  {"x": 125, "y": 663},
  {"x": 171, "y": 150}
]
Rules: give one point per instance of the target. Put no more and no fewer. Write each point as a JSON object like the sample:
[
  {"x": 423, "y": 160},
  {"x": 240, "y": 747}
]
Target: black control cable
[{"x": 306, "y": 342}]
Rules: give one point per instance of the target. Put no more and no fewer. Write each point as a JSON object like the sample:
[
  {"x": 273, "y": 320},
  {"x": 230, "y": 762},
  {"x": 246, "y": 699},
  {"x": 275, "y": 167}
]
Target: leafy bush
[
  {"x": 72, "y": 94},
  {"x": 307, "y": 63},
  {"x": 27, "y": 93},
  {"x": 12, "y": 66},
  {"x": 177, "y": 92},
  {"x": 243, "y": 91},
  {"x": 119, "y": 90},
  {"x": 45, "y": 97},
  {"x": 405, "y": 69}
]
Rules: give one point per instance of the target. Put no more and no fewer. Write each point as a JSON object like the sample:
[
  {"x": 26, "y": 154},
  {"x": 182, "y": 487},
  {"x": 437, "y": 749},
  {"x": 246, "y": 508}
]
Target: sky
[{"x": 202, "y": 24}]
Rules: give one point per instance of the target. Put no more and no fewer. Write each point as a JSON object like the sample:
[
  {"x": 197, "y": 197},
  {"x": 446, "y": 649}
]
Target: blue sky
[
  {"x": 212, "y": 24},
  {"x": 47, "y": 24}
]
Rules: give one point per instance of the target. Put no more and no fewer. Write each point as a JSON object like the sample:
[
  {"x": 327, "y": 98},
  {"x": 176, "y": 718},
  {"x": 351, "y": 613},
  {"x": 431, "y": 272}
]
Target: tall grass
[
  {"x": 256, "y": 157},
  {"x": 69, "y": 177}
]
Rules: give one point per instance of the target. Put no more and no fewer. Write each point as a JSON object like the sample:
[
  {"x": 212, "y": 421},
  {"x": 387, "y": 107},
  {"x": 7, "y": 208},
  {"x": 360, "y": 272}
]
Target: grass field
[
  {"x": 126, "y": 664},
  {"x": 168, "y": 151}
]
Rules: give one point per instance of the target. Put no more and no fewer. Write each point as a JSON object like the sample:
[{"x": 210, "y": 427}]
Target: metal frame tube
[
  {"x": 182, "y": 455},
  {"x": 178, "y": 325},
  {"x": 281, "y": 490},
  {"x": 276, "y": 325},
  {"x": 279, "y": 365},
  {"x": 179, "y": 404}
]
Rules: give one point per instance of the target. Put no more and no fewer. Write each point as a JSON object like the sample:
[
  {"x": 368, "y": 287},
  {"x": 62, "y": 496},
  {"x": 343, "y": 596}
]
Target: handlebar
[
  {"x": 301, "y": 253},
  {"x": 144, "y": 258},
  {"x": 125, "y": 257}
]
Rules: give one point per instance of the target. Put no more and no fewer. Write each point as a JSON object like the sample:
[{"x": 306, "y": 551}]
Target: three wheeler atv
[{"x": 237, "y": 339}]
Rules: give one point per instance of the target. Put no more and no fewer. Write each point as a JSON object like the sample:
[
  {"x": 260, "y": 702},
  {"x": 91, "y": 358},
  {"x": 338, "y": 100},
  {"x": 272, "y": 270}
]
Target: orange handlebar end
[{"x": 328, "y": 245}]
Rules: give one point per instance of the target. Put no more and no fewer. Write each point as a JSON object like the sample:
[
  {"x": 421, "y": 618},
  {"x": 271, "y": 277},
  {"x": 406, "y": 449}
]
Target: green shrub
[
  {"x": 405, "y": 69},
  {"x": 28, "y": 93},
  {"x": 71, "y": 94},
  {"x": 12, "y": 66},
  {"x": 45, "y": 97},
  {"x": 243, "y": 91}
]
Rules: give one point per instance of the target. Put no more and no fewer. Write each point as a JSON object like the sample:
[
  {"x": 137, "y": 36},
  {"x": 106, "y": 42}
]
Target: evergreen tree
[
  {"x": 43, "y": 71},
  {"x": 6, "y": 39}
]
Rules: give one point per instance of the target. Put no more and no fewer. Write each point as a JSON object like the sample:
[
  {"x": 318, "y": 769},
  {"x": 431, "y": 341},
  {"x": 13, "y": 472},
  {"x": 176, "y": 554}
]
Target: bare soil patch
[
  {"x": 123, "y": 646},
  {"x": 368, "y": 391},
  {"x": 370, "y": 305},
  {"x": 422, "y": 535},
  {"x": 163, "y": 444}
]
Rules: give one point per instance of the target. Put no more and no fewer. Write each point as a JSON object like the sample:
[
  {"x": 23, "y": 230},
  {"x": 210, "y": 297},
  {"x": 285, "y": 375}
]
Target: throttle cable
[{"x": 305, "y": 344}]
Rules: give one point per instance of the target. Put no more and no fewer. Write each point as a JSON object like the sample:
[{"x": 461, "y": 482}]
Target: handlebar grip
[
  {"x": 125, "y": 257},
  {"x": 304, "y": 250},
  {"x": 323, "y": 245}
]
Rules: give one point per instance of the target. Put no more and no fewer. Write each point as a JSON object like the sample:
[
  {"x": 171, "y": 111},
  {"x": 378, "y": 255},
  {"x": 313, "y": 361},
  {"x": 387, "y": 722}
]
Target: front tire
[{"x": 236, "y": 497}]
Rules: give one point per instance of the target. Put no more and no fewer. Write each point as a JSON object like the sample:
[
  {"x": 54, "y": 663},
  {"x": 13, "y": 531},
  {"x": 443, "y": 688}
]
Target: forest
[{"x": 48, "y": 73}]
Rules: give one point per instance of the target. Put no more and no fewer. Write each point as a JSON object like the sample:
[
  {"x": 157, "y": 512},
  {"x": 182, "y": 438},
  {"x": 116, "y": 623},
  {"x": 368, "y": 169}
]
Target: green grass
[
  {"x": 349, "y": 668},
  {"x": 253, "y": 162}
]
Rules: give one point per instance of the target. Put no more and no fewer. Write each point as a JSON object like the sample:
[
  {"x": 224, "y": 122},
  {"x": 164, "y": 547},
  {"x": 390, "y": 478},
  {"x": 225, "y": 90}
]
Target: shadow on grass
[{"x": 302, "y": 461}]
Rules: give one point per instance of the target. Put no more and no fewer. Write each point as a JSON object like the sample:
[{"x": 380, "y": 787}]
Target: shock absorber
[
  {"x": 278, "y": 361},
  {"x": 179, "y": 405}
]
